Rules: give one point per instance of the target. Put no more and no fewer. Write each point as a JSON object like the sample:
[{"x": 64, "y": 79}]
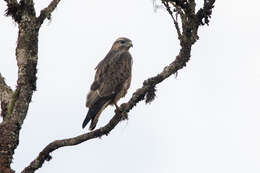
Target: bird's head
[{"x": 122, "y": 43}]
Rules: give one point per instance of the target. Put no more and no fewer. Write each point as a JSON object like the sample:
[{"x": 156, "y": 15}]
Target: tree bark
[{"x": 26, "y": 55}]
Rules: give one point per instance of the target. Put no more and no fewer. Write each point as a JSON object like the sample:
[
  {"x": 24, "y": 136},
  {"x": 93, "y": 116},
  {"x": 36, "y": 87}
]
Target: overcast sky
[{"x": 206, "y": 120}]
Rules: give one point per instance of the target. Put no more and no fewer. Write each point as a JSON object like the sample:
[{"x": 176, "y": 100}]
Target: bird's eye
[{"x": 122, "y": 41}]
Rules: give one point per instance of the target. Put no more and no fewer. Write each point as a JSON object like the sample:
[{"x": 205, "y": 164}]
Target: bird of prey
[{"x": 112, "y": 80}]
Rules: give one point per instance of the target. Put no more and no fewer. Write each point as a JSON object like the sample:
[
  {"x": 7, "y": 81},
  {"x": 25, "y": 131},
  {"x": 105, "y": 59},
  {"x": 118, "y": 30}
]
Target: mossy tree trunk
[{"x": 15, "y": 104}]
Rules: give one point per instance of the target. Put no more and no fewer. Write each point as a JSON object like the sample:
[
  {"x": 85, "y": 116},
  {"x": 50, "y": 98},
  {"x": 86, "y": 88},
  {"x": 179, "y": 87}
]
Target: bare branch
[
  {"x": 45, "y": 153},
  {"x": 46, "y": 12}
]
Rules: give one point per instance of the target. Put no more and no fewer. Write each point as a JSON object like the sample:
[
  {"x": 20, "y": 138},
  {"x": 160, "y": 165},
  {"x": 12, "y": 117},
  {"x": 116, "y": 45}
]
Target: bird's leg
[
  {"x": 117, "y": 108},
  {"x": 119, "y": 111}
]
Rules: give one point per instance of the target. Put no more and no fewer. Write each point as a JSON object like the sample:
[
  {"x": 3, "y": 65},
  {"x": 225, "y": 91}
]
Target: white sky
[{"x": 206, "y": 120}]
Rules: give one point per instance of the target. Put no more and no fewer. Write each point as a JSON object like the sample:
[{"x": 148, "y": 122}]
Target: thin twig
[{"x": 175, "y": 21}]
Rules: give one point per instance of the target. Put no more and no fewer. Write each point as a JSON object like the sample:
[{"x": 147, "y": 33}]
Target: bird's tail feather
[
  {"x": 95, "y": 119},
  {"x": 86, "y": 120},
  {"x": 94, "y": 111}
]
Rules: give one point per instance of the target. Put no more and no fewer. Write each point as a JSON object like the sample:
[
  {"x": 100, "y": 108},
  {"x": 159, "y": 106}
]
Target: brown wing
[
  {"x": 94, "y": 95},
  {"x": 111, "y": 76}
]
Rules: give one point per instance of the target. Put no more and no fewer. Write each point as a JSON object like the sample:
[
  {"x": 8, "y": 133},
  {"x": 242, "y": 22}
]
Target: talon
[{"x": 117, "y": 108}]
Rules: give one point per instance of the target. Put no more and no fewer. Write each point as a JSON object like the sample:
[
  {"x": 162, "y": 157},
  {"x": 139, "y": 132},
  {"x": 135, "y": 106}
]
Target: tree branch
[
  {"x": 46, "y": 12},
  {"x": 146, "y": 92}
]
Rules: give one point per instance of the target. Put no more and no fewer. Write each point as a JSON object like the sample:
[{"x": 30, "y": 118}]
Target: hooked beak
[{"x": 130, "y": 44}]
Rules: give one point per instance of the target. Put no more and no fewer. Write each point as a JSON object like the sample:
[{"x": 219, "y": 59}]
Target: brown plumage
[{"x": 112, "y": 80}]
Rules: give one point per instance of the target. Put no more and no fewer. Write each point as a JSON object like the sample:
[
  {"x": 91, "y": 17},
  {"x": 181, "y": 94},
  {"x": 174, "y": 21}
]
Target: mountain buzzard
[{"x": 112, "y": 80}]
